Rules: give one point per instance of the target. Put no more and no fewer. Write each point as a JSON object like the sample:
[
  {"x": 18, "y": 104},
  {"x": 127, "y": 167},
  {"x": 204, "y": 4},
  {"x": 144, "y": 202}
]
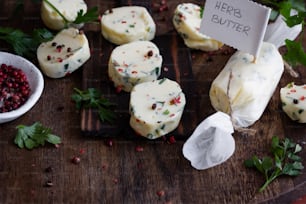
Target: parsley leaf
[
  {"x": 91, "y": 15},
  {"x": 35, "y": 135},
  {"x": 24, "y": 44},
  {"x": 285, "y": 162},
  {"x": 92, "y": 98},
  {"x": 285, "y": 7},
  {"x": 295, "y": 53},
  {"x": 201, "y": 12}
]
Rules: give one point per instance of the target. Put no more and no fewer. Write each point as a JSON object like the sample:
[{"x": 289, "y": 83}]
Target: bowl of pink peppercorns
[{"x": 21, "y": 85}]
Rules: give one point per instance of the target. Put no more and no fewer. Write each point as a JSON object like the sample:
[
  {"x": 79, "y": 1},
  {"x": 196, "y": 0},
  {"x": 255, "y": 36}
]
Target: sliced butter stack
[
  {"x": 68, "y": 51},
  {"x": 68, "y": 8},
  {"x": 293, "y": 99},
  {"x": 187, "y": 21},
  {"x": 134, "y": 63},
  {"x": 244, "y": 87},
  {"x": 127, "y": 24},
  {"x": 156, "y": 107}
]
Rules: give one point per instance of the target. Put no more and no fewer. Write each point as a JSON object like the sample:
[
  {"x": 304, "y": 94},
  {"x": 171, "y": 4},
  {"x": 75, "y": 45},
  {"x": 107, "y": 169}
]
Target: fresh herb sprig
[
  {"x": 34, "y": 135},
  {"x": 92, "y": 98},
  {"x": 24, "y": 44},
  {"x": 285, "y": 161},
  {"x": 91, "y": 16},
  {"x": 295, "y": 53}
]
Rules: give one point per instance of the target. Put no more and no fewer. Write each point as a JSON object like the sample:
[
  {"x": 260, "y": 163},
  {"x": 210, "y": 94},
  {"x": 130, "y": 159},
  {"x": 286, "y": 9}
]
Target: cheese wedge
[
  {"x": 293, "y": 99},
  {"x": 68, "y": 8},
  {"x": 68, "y": 51},
  {"x": 156, "y": 107},
  {"x": 187, "y": 21},
  {"x": 126, "y": 24},
  {"x": 244, "y": 88},
  {"x": 134, "y": 63}
]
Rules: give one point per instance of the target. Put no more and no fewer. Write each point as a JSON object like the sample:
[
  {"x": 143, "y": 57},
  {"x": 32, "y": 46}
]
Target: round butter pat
[
  {"x": 67, "y": 52},
  {"x": 134, "y": 63},
  {"x": 187, "y": 21},
  {"x": 68, "y": 8},
  {"x": 127, "y": 24},
  {"x": 156, "y": 107},
  {"x": 293, "y": 99}
]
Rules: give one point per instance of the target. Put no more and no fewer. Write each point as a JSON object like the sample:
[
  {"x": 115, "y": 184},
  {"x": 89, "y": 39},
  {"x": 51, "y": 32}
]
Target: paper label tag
[{"x": 237, "y": 23}]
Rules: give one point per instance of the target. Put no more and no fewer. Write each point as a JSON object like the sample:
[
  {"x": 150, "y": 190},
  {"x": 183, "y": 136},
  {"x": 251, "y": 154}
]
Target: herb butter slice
[
  {"x": 293, "y": 99},
  {"x": 61, "y": 56},
  {"x": 156, "y": 107}
]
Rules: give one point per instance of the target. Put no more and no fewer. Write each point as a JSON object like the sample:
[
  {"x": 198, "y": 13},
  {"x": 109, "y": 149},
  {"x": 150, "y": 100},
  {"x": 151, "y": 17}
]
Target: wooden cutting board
[{"x": 176, "y": 66}]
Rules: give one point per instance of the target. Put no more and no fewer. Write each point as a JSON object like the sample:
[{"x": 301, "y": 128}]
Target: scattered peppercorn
[
  {"x": 150, "y": 53},
  {"x": 109, "y": 143},
  {"x": 295, "y": 101},
  {"x": 49, "y": 183},
  {"x": 76, "y": 160},
  {"x": 160, "y": 193},
  {"x": 139, "y": 149},
  {"x": 153, "y": 106}
]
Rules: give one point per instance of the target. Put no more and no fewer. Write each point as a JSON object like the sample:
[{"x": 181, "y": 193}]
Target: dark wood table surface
[{"x": 119, "y": 173}]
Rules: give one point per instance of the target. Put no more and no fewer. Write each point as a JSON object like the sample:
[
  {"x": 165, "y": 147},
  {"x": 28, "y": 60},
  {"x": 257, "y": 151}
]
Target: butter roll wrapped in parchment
[{"x": 244, "y": 88}]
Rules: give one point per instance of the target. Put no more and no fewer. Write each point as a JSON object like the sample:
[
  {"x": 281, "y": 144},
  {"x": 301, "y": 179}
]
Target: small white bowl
[{"x": 35, "y": 79}]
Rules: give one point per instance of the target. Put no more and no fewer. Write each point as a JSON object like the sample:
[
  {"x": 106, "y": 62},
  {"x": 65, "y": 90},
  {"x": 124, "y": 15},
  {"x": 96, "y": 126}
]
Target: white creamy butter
[
  {"x": 244, "y": 88},
  {"x": 293, "y": 99},
  {"x": 68, "y": 8},
  {"x": 156, "y": 107},
  {"x": 134, "y": 63},
  {"x": 187, "y": 21},
  {"x": 126, "y": 24},
  {"x": 68, "y": 51}
]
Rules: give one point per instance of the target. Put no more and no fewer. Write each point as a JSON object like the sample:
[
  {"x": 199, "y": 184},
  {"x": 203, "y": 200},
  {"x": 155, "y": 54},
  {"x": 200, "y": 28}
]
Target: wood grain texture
[{"x": 120, "y": 174}]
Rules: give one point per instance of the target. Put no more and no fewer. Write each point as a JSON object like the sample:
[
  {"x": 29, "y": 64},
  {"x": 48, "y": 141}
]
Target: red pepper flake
[
  {"x": 175, "y": 100},
  {"x": 120, "y": 70},
  {"x": 139, "y": 148},
  {"x": 134, "y": 72},
  {"x": 302, "y": 98},
  {"x": 160, "y": 193},
  {"x": 172, "y": 140},
  {"x": 123, "y": 21},
  {"x": 292, "y": 90},
  {"x": 48, "y": 57},
  {"x": 59, "y": 48},
  {"x": 171, "y": 115},
  {"x": 59, "y": 59}
]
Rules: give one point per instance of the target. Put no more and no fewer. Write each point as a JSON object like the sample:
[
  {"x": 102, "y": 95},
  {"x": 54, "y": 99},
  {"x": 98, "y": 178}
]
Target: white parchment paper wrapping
[
  {"x": 211, "y": 143},
  {"x": 278, "y": 31}
]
